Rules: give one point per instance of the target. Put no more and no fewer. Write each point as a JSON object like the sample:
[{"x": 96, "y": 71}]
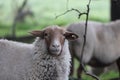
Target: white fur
[
  {"x": 60, "y": 64},
  {"x": 15, "y": 59},
  {"x": 21, "y": 61},
  {"x": 102, "y": 42}
]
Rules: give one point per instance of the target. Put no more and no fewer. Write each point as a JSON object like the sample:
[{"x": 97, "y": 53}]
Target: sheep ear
[
  {"x": 37, "y": 33},
  {"x": 70, "y": 36}
]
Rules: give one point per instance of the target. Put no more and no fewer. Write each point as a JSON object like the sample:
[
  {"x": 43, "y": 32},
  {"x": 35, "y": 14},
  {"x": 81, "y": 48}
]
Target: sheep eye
[
  {"x": 45, "y": 34},
  {"x": 73, "y": 36},
  {"x": 64, "y": 35}
]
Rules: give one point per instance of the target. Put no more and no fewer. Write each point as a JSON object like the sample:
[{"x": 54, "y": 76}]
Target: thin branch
[
  {"x": 23, "y": 5},
  {"x": 20, "y": 10},
  {"x": 88, "y": 73},
  {"x": 76, "y": 10},
  {"x": 84, "y": 36},
  {"x": 84, "y": 43}
]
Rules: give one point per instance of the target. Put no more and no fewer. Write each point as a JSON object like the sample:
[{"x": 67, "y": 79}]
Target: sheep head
[{"x": 54, "y": 37}]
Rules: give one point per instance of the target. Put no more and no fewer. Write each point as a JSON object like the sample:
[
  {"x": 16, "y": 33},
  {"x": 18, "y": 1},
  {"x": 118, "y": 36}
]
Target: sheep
[
  {"x": 102, "y": 43},
  {"x": 48, "y": 58},
  {"x": 14, "y": 59}
]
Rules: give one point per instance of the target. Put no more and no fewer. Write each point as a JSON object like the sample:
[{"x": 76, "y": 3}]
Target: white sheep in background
[
  {"x": 102, "y": 43},
  {"x": 48, "y": 58}
]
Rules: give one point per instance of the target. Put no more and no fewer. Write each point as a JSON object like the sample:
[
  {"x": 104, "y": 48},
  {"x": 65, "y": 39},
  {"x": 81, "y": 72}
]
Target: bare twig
[
  {"x": 84, "y": 43},
  {"x": 84, "y": 36},
  {"x": 16, "y": 18},
  {"x": 20, "y": 16},
  {"x": 76, "y": 10},
  {"x": 23, "y": 5}
]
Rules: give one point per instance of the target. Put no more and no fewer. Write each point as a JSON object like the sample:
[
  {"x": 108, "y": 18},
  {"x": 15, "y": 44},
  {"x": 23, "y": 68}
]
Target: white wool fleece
[{"x": 47, "y": 67}]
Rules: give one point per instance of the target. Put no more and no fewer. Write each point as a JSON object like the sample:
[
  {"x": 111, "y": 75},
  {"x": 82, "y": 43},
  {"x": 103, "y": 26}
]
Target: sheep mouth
[{"x": 55, "y": 52}]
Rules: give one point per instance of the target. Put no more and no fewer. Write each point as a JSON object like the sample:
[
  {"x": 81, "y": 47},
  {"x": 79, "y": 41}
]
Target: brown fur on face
[{"x": 54, "y": 34}]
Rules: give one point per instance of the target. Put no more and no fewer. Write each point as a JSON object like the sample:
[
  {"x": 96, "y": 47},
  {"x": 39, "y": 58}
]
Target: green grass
[
  {"x": 109, "y": 75},
  {"x": 46, "y": 11},
  {"x": 104, "y": 76}
]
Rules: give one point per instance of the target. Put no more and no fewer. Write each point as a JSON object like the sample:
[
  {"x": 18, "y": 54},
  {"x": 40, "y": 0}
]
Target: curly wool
[
  {"x": 21, "y": 61},
  {"x": 47, "y": 67}
]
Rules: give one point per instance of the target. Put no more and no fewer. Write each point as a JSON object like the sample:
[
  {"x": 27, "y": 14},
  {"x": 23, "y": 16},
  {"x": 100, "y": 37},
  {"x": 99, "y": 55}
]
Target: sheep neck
[{"x": 47, "y": 67}]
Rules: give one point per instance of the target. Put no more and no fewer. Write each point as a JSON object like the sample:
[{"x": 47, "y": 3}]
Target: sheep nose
[{"x": 55, "y": 45}]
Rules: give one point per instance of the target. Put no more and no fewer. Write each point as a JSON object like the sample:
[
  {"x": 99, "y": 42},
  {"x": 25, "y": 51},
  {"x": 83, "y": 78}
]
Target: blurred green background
[{"x": 45, "y": 12}]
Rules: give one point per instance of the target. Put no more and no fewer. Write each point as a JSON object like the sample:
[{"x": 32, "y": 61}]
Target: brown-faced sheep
[{"x": 48, "y": 58}]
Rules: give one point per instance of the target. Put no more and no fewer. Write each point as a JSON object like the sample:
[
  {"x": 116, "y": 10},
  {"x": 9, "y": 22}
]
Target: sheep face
[{"x": 54, "y": 37}]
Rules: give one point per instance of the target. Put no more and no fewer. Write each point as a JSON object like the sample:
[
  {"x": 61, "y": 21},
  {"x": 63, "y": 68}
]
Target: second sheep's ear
[
  {"x": 37, "y": 33},
  {"x": 70, "y": 36}
]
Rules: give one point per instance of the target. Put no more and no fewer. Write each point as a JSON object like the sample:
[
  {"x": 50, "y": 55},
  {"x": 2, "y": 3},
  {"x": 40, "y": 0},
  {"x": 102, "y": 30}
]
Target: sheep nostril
[{"x": 55, "y": 45}]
